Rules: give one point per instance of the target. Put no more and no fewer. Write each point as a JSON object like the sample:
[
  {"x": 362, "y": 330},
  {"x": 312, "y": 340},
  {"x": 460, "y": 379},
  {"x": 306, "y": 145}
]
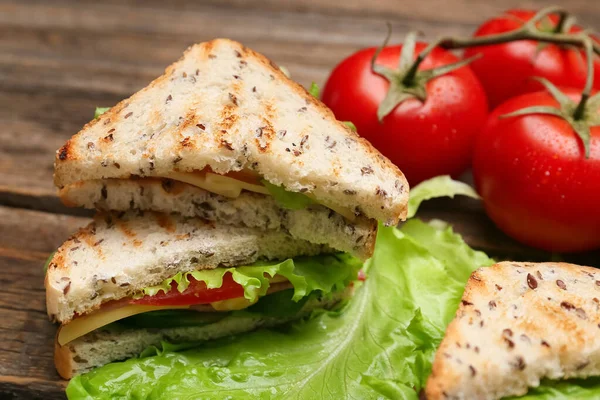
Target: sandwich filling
[{"x": 219, "y": 290}]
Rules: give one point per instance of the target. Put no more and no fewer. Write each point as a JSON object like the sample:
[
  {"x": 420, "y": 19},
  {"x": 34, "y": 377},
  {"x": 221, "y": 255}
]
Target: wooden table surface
[{"x": 60, "y": 59}]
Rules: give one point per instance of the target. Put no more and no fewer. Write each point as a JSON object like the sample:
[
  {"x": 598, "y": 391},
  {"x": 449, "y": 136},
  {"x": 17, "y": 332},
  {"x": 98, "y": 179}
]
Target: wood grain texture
[
  {"x": 61, "y": 59},
  {"x": 26, "y": 335}
]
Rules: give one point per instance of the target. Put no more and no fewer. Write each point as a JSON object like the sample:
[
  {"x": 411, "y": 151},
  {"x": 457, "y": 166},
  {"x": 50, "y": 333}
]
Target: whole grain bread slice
[
  {"x": 519, "y": 323},
  {"x": 121, "y": 253},
  {"x": 316, "y": 223},
  {"x": 229, "y": 108},
  {"x": 108, "y": 344}
]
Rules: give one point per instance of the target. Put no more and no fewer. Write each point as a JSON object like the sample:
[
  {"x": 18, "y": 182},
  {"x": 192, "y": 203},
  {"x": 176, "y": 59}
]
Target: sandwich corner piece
[
  {"x": 519, "y": 323},
  {"x": 201, "y": 139},
  {"x": 228, "y": 199}
]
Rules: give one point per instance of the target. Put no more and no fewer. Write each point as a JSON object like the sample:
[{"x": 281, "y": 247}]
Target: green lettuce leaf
[
  {"x": 580, "y": 389},
  {"x": 278, "y": 304},
  {"x": 350, "y": 125},
  {"x": 440, "y": 186},
  {"x": 100, "y": 110},
  {"x": 289, "y": 200},
  {"x": 314, "y": 90},
  {"x": 325, "y": 272},
  {"x": 48, "y": 261},
  {"x": 381, "y": 344}
]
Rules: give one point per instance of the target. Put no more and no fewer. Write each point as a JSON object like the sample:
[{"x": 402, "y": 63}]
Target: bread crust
[
  {"x": 519, "y": 323},
  {"x": 63, "y": 360},
  {"x": 294, "y": 141}
]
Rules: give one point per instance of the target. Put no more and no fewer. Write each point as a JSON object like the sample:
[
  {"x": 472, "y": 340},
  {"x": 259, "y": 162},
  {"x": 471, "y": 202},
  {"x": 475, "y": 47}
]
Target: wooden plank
[{"x": 26, "y": 335}]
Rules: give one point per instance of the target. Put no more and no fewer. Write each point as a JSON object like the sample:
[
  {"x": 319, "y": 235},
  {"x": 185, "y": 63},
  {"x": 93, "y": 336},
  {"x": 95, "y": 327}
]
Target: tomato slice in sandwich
[{"x": 195, "y": 293}]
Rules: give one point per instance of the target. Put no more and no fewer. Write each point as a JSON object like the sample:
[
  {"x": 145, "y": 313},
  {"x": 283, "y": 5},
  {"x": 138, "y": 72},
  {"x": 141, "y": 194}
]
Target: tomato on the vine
[
  {"x": 506, "y": 69},
  {"x": 535, "y": 180},
  {"x": 424, "y": 139},
  {"x": 195, "y": 293}
]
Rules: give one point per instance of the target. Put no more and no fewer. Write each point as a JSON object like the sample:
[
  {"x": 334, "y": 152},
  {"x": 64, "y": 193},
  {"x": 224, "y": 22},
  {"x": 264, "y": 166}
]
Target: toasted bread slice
[
  {"x": 316, "y": 223},
  {"x": 121, "y": 253},
  {"x": 517, "y": 324},
  {"x": 108, "y": 344},
  {"x": 229, "y": 108}
]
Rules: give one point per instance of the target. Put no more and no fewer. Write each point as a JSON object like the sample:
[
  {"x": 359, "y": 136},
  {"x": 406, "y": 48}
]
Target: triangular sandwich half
[
  {"x": 519, "y": 323},
  {"x": 131, "y": 280},
  {"x": 226, "y": 120}
]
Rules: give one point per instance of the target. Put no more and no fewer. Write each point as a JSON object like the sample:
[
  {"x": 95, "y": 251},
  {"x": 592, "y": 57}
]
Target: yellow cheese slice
[
  {"x": 87, "y": 323},
  {"x": 225, "y": 181},
  {"x": 239, "y": 303},
  {"x": 200, "y": 181},
  {"x": 215, "y": 183}
]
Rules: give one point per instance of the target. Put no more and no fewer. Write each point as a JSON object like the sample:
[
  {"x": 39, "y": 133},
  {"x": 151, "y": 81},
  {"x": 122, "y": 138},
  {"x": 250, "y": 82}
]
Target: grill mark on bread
[
  {"x": 207, "y": 48},
  {"x": 228, "y": 119},
  {"x": 267, "y": 132},
  {"x": 186, "y": 142},
  {"x": 190, "y": 122},
  {"x": 124, "y": 227},
  {"x": 88, "y": 237},
  {"x": 165, "y": 222}
]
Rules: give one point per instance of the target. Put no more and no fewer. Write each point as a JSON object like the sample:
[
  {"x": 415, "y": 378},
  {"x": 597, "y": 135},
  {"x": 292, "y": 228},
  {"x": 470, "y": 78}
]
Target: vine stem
[
  {"x": 579, "y": 112},
  {"x": 562, "y": 18},
  {"x": 527, "y": 32}
]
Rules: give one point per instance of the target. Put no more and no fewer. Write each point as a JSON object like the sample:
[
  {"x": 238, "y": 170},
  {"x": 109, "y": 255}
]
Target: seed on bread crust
[
  {"x": 531, "y": 282},
  {"x": 368, "y": 170}
]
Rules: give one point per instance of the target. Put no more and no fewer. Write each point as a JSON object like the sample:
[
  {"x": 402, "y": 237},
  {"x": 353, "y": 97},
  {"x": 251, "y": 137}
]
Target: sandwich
[
  {"x": 229, "y": 199},
  {"x": 129, "y": 280},
  {"x": 519, "y": 323},
  {"x": 226, "y": 136}
]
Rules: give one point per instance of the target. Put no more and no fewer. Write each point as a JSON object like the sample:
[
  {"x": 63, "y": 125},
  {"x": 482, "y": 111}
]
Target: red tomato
[
  {"x": 196, "y": 293},
  {"x": 422, "y": 139},
  {"x": 536, "y": 183},
  {"x": 505, "y": 70}
]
